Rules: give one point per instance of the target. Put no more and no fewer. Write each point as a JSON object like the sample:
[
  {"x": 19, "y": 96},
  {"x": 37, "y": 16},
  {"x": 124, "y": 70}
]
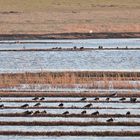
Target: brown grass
[
  {"x": 70, "y": 78},
  {"x": 64, "y": 94},
  {"x": 51, "y": 16}
]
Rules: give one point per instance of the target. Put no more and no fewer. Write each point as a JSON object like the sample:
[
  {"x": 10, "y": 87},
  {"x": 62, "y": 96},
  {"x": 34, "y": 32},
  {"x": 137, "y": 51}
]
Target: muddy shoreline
[{"x": 73, "y": 35}]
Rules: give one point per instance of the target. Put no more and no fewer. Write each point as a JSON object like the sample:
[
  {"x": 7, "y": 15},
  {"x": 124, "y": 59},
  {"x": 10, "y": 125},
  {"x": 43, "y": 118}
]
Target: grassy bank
[{"x": 51, "y": 16}]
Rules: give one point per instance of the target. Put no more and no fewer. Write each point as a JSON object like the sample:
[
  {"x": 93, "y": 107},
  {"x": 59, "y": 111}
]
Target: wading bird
[
  {"x": 128, "y": 113},
  {"x": 25, "y": 105},
  {"x": 133, "y": 100},
  {"x": 61, "y": 105},
  {"x": 28, "y": 112},
  {"x": 88, "y": 105},
  {"x": 83, "y": 99},
  {"x": 35, "y": 98},
  {"x": 123, "y": 99},
  {"x": 95, "y": 113},
  {"x": 107, "y": 99},
  {"x": 84, "y": 112},
  {"x": 110, "y": 120},
  {"x": 37, "y": 104},
  {"x": 96, "y": 99},
  {"x": 2, "y": 105},
  {"x": 114, "y": 94},
  {"x": 36, "y": 112},
  {"x": 65, "y": 113},
  {"x": 41, "y": 99}
]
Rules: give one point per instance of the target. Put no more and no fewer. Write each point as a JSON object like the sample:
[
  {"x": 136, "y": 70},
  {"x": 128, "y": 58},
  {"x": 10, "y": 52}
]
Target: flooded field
[
  {"x": 74, "y": 94},
  {"x": 75, "y": 116}
]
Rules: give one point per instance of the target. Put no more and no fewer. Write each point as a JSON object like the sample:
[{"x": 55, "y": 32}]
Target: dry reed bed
[
  {"x": 72, "y": 133},
  {"x": 70, "y": 77},
  {"x": 70, "y": 115}
]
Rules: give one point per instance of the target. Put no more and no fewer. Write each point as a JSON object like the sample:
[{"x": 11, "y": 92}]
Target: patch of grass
[{"x": 44, "y": 5}]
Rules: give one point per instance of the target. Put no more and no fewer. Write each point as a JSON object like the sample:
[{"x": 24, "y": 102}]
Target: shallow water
[
  {"x": 65, "y": 138},
  {"x": 82, "y": 60},
  {"x": 79, "y": 60},
  {"x": 70, "y": 43}
]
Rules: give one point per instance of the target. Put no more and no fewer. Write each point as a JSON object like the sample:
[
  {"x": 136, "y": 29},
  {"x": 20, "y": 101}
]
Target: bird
[
  {"x": 96, "y": 99},
  {"x": 66, "y": 112},
  {"x": 95, "y": 113},
  {"x": 37, "y": 104},
  {"x": 41, "y": 99},
  {"x": 110, "y": 120},
  {"x": 74, "y": 47},
  {"x": 122, "y": 99},
  {"x": 114, "y": 94},
  {"x": 43, "y": 112},
  {"x": 37, "y": 112},
  {"x": 133, "y": 100},
  {"x": 35, "y": 98},
  {"x": 84, "y": 112},
  {"x": 25, "y": 105},
  {"x": 107, "y": 99},
  {"x": 128, "y": 113},
  {"x": 28, "y": 112},
  {"x": 88, "y": 105},
  {"x": 81, "y": 48},
  {"x": 61, "y": 105},
  {"x": 83, "y": 99},
  {"x": 2, "y": 105}
]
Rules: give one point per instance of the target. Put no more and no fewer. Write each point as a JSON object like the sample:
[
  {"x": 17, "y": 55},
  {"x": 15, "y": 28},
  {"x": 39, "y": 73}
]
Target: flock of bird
[{"x": 61, "y": 105}]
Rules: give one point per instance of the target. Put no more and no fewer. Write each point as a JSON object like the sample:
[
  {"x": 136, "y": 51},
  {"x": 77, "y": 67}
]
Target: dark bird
[
  {"x": 114, "y": 94},
  {"x": 122, "y": 99},
  {"x": 37, "y": 104},
  {"x": 61, "y": 105},
  {"x": 81, "y": 48},
  {"x": 107, "y": 99},
  {"x": 110, "y": 120},
  {"x": 41, "y": 99},
  {"x": 84, "y": 112},
  {"x": 74, "y": 47},
  {"x": 96, "y": 99},
  {"x": 88, "y": 105},
  {"x": 37, "y": 112},
  {"x": 35, "y": 98},
  {"x": 83, "y": 99},
  {"x": 128, "y": 113},
  {"x": 2, "y": 105},
  {"x": 25, "y": 105},
  {"x": 133, "y": 100},
  {"x": 95, "y": 113},
  {"x": 44, "y": 112},
  {"x": 28, "y": 112},
  {"x": 65, "y": 113}
]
